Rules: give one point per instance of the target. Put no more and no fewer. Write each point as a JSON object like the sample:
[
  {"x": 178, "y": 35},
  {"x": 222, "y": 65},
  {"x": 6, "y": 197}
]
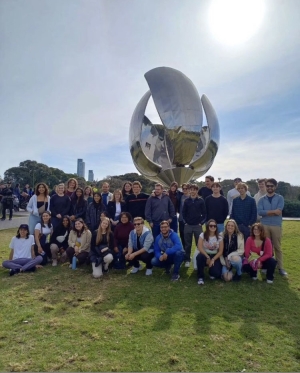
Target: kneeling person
[
  {"x": 168, "y": 250},
  {"x": 140, "y": 246}
]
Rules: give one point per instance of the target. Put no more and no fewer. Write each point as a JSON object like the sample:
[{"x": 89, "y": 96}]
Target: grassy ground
[{"x": 62, "y": 320}]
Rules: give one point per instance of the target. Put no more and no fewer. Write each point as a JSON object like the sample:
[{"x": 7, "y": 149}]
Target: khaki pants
[{"x": 275, "y": 234}]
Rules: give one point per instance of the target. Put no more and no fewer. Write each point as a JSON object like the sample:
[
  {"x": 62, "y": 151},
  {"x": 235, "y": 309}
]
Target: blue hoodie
[{"x": 169, "y": 245}]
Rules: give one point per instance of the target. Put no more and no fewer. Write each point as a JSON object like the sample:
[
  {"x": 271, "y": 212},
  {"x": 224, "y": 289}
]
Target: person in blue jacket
[{"x": 168, "y": 250}]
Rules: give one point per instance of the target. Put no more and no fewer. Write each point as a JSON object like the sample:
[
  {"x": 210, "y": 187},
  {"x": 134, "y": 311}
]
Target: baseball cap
[{"x": 24, "y": 226}]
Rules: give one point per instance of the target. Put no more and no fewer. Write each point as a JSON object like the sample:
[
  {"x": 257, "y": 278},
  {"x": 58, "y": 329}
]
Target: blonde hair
[{"x": 99, "y": 232}]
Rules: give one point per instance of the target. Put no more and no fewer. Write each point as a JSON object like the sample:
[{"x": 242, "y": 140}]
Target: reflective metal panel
[{"x": 180, "y": 149}]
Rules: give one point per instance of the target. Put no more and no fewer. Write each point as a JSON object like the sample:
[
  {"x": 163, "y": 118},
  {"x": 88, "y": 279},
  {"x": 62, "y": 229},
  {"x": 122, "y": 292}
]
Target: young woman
[
  {"x": 42, "y": 234},
  {"x": 94, "y": 211},
  {"x": 101, "y": 248},
  {"x": 259, "y": 253},
  {"x": 59, "y": 241},
  {"x": 233, "y": 250},
  {"x": 121, "y": 237},
  {"x": 115, "y": 207},
  {"x": 60, "y": 205},
  {"x": 78, "y": 205},
  {"x": 72, "y": 185},
  {"x": 127, "y": 189},
  {"x": 79, "y": 242},
  {"x": 88, "y": 194},
  {"x": 37, "y": 204},
  {"x": 22, "y": 257},
  {"x": 210, "y": 247}
]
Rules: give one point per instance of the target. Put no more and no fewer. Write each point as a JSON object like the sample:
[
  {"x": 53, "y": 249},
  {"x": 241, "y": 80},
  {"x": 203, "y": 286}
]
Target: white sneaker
[
  {"x": 187, "y": 264},
  {"x": 135, "y": 270},
  {"x": 212, "y": 277},
  {"x": 148, "y": 272},
  {"x": 269, "y": 282},
  {"x": 54, "y": 262},
  {"x": 200, "y": 281}
]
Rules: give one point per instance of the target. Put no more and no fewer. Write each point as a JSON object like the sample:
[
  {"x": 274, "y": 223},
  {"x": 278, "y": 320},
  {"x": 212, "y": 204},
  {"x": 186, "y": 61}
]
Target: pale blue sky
[{"x": 72, "y": 72}]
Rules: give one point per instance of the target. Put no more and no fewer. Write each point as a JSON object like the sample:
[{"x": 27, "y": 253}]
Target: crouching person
[
  {"x": 168, "y": 250},
  {"x": 79, "y": 242},
  {"x": 22, "y": 257},
  {"x": 102, "y": 246},
  {"x": 140, "y": 247}
]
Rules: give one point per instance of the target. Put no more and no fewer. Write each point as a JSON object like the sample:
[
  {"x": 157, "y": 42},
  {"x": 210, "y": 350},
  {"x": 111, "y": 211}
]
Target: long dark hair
[
  {"x": 78, "y": 200},
  {"x": 206, "y": 233},
  {"x": 18, "y": 232},
  {"x": 36, "y": 191},
  {"x": 84, "y": 227},
  {"x": 69, "y": 222},
  {"x": 124, "y": 193},
  {"x": 42, "y": 221},
  {"x": 98, "y": 194}
]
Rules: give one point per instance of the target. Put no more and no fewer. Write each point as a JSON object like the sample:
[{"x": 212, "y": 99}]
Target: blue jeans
[
  {"x": 155, "y": 230},
  {"x": 220, "y": 227},
  {"x": 236, "y": 265},
  {"x": 176, "y": 259}
]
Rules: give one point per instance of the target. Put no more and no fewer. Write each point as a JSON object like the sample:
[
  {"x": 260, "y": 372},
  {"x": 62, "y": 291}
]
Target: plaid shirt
[{"x": 244, "y": 211}]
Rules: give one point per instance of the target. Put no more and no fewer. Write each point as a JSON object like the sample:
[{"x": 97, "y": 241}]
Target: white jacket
[{"x": 32, "y": 205}]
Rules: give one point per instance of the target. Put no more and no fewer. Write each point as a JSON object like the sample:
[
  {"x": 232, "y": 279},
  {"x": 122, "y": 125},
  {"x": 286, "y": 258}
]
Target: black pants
[
  {"x": 7, "y": 206},
  {"x": 144, "y": 257},
  {"x": 181, "y": 232},
  {"x": 269, "y": 265},
  {"x": 82, "y": 257},
  {"x": 214, "y": 271}
]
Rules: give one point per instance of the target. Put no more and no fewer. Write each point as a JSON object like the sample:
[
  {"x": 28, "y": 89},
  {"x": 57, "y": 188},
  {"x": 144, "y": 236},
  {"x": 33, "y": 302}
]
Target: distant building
[
  {"x": 80, "y": 168},
  {"x": 91, "y": 176}
]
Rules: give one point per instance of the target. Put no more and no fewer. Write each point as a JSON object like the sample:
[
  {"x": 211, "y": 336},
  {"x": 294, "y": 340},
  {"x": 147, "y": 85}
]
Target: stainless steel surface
[{"x": 180, "y": 149}]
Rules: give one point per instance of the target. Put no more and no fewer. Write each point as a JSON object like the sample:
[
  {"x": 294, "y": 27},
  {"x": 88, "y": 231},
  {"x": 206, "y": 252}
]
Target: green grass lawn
[{"x": 62, "y": 320}]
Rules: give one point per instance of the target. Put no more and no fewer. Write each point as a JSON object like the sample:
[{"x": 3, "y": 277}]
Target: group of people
[{"x": 107, "y": 230}]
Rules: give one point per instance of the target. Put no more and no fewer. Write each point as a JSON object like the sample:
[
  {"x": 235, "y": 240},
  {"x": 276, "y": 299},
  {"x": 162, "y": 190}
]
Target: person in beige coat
[
  {"x": 79, "y": 242},
  {"x": 233, "y": 251}
]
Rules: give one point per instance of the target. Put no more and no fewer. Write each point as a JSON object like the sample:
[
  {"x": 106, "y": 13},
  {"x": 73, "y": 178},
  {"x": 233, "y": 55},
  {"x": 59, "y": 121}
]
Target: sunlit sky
[{"x": 72, "y": 72}]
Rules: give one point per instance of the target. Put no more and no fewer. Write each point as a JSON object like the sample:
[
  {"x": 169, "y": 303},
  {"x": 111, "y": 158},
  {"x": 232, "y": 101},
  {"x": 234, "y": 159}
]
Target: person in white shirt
[
  {"x": 22, "y": 257},
  {"x": 233, "y": 193},
  {"x": 42, "y": 233}
]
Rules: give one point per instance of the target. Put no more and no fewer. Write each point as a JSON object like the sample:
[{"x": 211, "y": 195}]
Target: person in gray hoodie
[{"x": 158, "y": 208}]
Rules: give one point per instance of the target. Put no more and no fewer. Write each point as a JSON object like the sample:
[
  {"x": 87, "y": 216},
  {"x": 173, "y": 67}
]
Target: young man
[
  {"x": 216, "y": 207},
  {"x": 233, "y": 193},
  {"x": 206, "y": 191},
  {"x": 168, "y": 250},
  {"x": 140, "y": 246},
  {"x": 22, "y": 257},
  {"x": 194, "y": 215},
  {"x": 106, "y": 195},
  {"x": 136, "y": 202},
  {"x": 158, "y": 208},
  {"x": 262, "y": 191},
  {"x": 185, "y": 194},
  {"x": 244, "y": 210},
  {"x": 270, "y": 209}
]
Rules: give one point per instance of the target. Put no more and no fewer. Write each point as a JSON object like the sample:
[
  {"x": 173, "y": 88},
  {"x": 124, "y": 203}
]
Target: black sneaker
[
  {"x": 14, "y": 271},
  {"x": 175, "y": 277},
  {"x": 236, "y": 278}
]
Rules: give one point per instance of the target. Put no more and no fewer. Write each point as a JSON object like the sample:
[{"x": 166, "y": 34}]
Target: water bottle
[{"x": 74, "y": 262}]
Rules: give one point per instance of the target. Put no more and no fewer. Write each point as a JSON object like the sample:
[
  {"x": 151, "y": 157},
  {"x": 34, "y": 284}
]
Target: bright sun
[{"x": 235, "y": 21}]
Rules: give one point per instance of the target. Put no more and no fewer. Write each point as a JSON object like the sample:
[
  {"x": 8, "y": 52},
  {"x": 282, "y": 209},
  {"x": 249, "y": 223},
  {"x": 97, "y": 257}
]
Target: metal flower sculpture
[{"x": 179, "y": 149}]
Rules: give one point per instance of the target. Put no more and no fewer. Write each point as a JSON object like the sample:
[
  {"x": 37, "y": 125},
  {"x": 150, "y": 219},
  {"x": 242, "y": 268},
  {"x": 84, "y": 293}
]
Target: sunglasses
[
  {"x": 212, "y": 226},
  {"x": 270, "y": 186},
  {"x": 137, "y": 224}
]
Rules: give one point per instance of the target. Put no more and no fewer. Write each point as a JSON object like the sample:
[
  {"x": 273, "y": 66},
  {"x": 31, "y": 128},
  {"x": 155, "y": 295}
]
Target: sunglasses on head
[
  {"x": 137, "y": 224},
  {"x": 212, "y": 226}
]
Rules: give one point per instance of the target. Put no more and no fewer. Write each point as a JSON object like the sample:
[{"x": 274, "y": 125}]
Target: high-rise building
[
  {"x": 80, "y": 168},
  {"x": 91, "y": 176}
]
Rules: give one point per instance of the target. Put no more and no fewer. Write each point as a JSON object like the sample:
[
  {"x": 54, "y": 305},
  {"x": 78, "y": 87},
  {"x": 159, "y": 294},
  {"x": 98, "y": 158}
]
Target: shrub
[{"x": 291, "y": 209}]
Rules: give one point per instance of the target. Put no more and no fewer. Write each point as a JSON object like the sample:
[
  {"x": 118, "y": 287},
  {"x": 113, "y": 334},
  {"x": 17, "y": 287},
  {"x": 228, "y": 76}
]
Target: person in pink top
[{"x": 259, "y": 253}]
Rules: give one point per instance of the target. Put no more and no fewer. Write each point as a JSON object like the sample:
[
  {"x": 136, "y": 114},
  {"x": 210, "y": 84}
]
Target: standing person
[
  {"x": 59, "y": 241},
  {"x": 72, "y": 185},
  {"x": 233, "y": 193},
  {"x": 262, "y": 191},
  {"x": 136, "y": 202},
  {"x": 260, "y": 246},
  {"x": 17, "y": 191},
  {"x": 22, "y": 257},
  {"x": 115, "y": 207},
  {"x": 216, "y": 206},
  {"x": 121, "y": 237},
  {"x": 79, "y": 242},
  {"x": 42, "y": 235},
  {"x": 168, "y": 250},
  {"x": 60, "y": 205},
  {"x": 210, "y": 247},
  {"x": 127, "y": 189},
  {"x": 175, "y": 197},
  {"x": 106, "y": 194},
  {"x": 185, "y": 194},
  {"x": 53, "y": 191},
  {"x": 78, "y": 205},
  {"x": 270, "y": 209},
  {"x": 158, "y": 208},
  {"x": 102, "y": 245},
  {"x": 244, "y": 210},
  {"x": 94, "y": 211},
  {"x": 88, "y": 194},
  {"x": 140, "y": 247},
  {"x": 7, "y": 201},
  {"x": 194, "y": 215},
  {"x": 206, "y": 191},
  {"x": 27, "y": 191},
  {"x": 38, "y": 203}
]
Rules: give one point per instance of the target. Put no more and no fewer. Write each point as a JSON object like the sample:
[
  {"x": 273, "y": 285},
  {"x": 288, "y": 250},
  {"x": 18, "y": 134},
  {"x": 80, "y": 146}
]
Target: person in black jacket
[
  {"x": 136, "y": 202},
  {"x": 59, "y": 240},
  {"x": 78, "y": 205},
  {"x": 7, "y": 201},
  {"x": 93, "y": 212},
  {"x": 60, "y": 205},
  {"x": 194, "y": 215},
  {"x": 115, "y": 207}
]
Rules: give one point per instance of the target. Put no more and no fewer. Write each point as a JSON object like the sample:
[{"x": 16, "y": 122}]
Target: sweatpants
[{"x": 22, "y": 263}]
